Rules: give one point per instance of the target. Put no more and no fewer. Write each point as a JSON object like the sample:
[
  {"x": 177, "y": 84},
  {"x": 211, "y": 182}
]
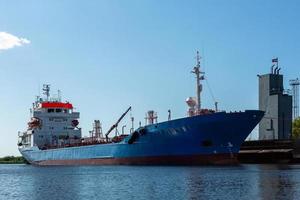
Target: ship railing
[
  {"x": 21, "y": 134},
  {"x": 79, "y": 144}
]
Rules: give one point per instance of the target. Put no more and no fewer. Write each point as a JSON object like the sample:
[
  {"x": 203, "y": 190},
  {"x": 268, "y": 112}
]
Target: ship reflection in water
[
  {"x": 281, "y": 182},
  {"x": 124, "y": 182}
]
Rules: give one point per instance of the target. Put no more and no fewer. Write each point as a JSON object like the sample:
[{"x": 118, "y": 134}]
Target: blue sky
[{"x": 107, "y": 55}]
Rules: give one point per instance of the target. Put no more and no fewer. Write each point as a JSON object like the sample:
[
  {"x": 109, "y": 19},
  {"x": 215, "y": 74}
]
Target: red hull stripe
[
  {"x": 218, "y": 159},
  {"x": 57, "y": 105}
]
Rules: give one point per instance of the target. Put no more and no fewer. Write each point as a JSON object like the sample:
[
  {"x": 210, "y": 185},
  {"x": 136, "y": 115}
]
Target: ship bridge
[
  {"x": 55, "y": 107},
  {"x": 53, "y": 122}
]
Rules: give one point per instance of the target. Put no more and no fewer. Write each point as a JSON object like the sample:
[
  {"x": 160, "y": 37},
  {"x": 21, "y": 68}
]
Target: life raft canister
[{"x": 75, "y": 123}]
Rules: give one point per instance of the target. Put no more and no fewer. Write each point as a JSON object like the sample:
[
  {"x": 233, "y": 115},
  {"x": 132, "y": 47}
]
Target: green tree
[{"x": 296, "y": 128}]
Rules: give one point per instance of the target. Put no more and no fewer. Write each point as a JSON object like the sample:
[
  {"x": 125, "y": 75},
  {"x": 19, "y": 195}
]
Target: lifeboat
[{"x": 34, "y": 123}]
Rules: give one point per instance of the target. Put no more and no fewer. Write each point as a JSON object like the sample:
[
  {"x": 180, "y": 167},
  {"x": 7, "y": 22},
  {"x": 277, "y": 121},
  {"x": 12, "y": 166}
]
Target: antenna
[
  {"x": 216, "y": 106},
  {"x": 198, "y": 73},
  {"x": 132, "y": 124},
  {"x": 295, "y": 92},
  {"x": 39, "y": 88},
  {"x": 46, "y": 89},
  {"x": 59, "y": 95}
]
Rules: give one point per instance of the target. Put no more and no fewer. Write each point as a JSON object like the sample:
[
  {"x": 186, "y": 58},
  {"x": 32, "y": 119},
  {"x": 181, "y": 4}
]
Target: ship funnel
[{"x": 272, "y": 69}]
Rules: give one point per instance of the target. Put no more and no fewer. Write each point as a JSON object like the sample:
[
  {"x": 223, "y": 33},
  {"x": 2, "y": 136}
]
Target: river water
[{"x": 155, "y": 182}]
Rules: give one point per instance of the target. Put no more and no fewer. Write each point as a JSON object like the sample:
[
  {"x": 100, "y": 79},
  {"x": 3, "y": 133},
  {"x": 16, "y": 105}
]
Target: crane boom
[{"x": 116, "y": 124}]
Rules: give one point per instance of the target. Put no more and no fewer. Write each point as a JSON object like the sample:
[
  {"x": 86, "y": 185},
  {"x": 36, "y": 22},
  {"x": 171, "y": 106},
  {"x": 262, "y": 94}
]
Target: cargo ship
[{"x": 204, "y": 136}]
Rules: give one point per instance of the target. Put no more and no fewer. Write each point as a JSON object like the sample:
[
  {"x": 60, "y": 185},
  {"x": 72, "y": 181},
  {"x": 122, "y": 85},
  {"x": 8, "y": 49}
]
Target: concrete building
[{"x": 277, "y": 122}]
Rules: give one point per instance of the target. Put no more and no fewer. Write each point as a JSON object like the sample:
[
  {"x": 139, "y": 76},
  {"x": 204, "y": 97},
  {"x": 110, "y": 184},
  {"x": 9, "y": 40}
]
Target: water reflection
[
  {"x": 276, "y": 182},
  {"x": 55, "y": 183},
  {"x": 195, "y": 185},
  {"x": 127, "y": 182},
  {"x": 221, "y": 183}
]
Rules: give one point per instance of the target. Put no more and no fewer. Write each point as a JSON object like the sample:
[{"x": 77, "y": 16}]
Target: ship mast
[
  {"x": 46, "y": 89},
  {"x": 199, "y": 77}
]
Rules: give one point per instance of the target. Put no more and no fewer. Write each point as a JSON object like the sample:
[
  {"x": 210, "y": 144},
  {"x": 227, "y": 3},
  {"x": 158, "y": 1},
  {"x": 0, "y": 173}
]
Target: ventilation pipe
[
  {"x": 275, "y": 70},
  {"x": 278, "y": 70}
]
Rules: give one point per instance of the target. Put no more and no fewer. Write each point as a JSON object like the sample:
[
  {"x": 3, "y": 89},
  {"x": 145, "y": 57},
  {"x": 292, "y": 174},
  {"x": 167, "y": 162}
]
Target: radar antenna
[
  {"x": 58, "y": 95},
  {"x": 199, "y": 77},
  {"x": 46, "y": 89}
]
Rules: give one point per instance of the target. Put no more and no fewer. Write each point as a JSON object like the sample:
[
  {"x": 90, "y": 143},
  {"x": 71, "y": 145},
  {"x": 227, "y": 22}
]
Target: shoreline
[{"x": 12, "y": 160}]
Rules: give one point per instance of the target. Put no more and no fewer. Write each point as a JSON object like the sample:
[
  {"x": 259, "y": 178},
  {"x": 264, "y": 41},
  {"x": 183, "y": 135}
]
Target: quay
[{"x": 270, "y": 151}]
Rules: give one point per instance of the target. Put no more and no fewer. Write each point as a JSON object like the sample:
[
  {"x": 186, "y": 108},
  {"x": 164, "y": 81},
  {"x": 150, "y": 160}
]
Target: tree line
[
  {"x": 12, "y": 160},
  {"x": 296, "y": 128}
]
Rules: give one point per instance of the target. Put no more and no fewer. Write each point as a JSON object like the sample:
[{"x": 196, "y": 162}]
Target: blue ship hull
[{"x": 204, "y": 139}]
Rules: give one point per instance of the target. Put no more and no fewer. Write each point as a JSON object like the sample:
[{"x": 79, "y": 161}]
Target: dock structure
[
  {"x": 277, "y": 104},
  {"x": 275, "y": 144},
  {"x": 270, "y": 151},
  {"x": 294, "y": 83}
]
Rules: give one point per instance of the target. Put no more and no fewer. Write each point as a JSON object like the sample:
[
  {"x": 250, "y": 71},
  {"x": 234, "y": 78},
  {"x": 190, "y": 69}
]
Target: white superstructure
[{"x": 53, "y": 123}]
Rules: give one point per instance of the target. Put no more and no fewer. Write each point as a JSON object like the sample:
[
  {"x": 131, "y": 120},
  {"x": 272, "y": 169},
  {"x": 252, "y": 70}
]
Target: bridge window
[
  {"x": 58, "y": 110},
  {"x": 50, "y": 110}
]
